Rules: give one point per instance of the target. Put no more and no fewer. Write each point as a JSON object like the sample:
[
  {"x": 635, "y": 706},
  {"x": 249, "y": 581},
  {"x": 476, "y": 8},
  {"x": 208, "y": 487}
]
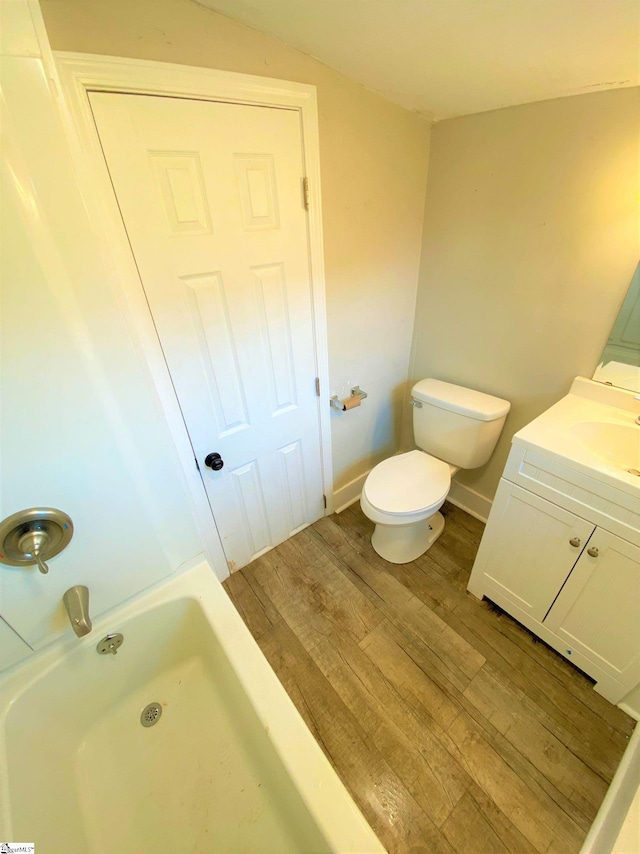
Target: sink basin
[
  {"x": 592, "y": 431},
  {"x": 616, "y": 444}
]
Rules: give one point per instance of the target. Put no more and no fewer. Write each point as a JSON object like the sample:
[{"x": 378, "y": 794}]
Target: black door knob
[{"x": 214, "y": 461}]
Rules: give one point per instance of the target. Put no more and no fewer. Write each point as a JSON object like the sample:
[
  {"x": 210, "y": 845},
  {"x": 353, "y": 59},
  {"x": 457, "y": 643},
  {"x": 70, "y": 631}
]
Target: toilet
[{"x": 455, "y": 428}]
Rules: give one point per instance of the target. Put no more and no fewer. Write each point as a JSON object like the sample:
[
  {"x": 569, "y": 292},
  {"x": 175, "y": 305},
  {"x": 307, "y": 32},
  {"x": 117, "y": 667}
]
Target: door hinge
[
  {"x": 305, "y": 193},
  {"x": 324, "y": 501},
  {"x": 317, "y": 386}
]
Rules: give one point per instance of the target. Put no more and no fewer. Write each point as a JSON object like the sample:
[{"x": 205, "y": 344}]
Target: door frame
[{"x": 78, "y": 74}]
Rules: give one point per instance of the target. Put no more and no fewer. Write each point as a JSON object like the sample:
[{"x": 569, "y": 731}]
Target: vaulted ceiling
[{"x": 454, "y": 57}]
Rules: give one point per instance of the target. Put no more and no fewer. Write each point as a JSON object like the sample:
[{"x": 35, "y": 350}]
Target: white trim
[
  {"x": 349, "y": 493},
  {"x": 469, "y": 500},
  {"x": 40, "y": 31},
  {"x": 462, "y": 496},
  {"x": 80, "y": 73},
  {"x": 83, "y": 71}
]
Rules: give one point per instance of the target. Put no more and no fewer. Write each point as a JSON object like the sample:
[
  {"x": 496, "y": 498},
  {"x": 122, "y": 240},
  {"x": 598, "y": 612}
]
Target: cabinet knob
[
  {"x": 593, "y": 552},
  {"x": 575, "y": 542}
]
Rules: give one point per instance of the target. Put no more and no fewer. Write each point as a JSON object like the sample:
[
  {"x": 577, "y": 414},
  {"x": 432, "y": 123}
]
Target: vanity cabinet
[
  {"x": 597, "y": 612},
  {"x": 562, "y": 556},
  {"x": 530, "y": 548}
]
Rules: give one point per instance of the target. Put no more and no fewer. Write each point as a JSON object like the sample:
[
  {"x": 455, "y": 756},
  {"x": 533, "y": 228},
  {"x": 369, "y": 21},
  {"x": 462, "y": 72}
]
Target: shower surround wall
[
  {"x": 373, "y": 160},
  {"x": 82, "y": 428}
]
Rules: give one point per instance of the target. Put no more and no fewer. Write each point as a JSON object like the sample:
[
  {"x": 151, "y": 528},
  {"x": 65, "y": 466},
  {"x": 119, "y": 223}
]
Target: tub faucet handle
[
  {"x": 35, "y": 543},
  {"x": 33, "y": 536}
]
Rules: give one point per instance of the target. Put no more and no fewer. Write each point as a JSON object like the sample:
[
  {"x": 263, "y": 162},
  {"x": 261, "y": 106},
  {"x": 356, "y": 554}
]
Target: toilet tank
[{"x": 458, "y": 425}]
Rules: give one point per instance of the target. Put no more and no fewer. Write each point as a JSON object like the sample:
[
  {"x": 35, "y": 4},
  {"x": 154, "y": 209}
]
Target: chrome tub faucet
[{"x": 76, "y": 601}]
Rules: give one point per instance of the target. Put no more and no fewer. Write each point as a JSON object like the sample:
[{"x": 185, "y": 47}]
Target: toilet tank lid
[{"x": 456, "y": 398}]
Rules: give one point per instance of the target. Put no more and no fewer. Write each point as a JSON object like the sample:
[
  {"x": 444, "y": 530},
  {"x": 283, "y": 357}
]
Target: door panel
[{"x": 211, "y": 198}]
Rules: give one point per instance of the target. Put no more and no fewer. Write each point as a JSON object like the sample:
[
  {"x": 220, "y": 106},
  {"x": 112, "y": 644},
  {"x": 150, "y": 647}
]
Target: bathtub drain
[{"x": 151, "y": 714}]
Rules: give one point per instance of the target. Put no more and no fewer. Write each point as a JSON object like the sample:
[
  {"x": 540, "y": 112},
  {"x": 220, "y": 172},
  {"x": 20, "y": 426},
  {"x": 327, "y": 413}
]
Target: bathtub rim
[
  {"x": 621, "y": 797},
  {"x": 325, "y": 796}
]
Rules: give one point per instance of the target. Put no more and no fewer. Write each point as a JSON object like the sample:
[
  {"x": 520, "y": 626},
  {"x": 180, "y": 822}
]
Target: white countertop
[{"x": 557, "y": 432}]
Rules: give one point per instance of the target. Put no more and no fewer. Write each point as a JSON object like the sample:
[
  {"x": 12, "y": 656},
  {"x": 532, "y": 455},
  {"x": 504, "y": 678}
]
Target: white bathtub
[{"x": 229, "y": 766}]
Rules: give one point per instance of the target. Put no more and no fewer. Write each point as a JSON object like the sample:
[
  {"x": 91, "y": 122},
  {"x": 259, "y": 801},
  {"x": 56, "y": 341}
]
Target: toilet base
[{"x": 404, "y": 543}]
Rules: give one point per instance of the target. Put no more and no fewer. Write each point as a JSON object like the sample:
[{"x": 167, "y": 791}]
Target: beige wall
[
  {"x": 530, "y": 241},
  {"x": 374, "y": 164}
]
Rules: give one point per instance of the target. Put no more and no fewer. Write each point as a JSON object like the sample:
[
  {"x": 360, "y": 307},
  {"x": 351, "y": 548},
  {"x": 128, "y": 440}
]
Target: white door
[{"x": 211, "y": 198}]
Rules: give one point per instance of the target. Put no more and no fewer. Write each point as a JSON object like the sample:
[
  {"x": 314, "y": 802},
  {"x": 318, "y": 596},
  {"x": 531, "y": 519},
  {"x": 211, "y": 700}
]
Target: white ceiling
[{"x": 454, "y": 57}]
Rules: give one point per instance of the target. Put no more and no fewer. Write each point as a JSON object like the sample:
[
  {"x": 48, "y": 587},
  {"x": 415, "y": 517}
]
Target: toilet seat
[{"x": 414, "y": 484}]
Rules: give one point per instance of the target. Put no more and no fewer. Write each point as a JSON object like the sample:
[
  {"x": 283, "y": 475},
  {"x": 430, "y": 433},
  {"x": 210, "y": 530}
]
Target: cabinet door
[
  {"x": 531, "y": 547},
  {"x": 598, "y": 610}
]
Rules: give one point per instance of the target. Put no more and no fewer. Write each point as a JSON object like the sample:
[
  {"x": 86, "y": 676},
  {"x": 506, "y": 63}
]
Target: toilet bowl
[{"x": 403, "y": 494}]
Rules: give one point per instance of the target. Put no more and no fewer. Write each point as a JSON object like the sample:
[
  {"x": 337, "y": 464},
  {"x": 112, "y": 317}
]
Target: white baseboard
[
  {"x": 469, "y": 500},
  {"x": 349, "y": 493},
  {"x": 462, "y": 496}
]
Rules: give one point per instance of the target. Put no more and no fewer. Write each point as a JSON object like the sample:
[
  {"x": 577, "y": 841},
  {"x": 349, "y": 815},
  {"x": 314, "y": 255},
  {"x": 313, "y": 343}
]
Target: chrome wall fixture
[
  {"x": 33, "y": 536},
  {"x": 76, "y": 603},
  {"x": 355, "y": 399},
  {"x": 110, "y": 644}
]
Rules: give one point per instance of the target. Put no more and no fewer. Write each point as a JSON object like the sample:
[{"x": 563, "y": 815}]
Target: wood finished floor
[{"x": 453, "y": 728}]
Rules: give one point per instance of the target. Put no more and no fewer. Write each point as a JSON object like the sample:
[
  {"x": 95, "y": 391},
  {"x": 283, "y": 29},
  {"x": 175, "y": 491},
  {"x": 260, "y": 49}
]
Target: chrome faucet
[{"x": 76, "y": 601}]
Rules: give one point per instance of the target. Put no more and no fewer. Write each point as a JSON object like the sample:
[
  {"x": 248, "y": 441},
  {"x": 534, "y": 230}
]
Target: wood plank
[
  {"x": 421, "y": 645},
  {"x": 317, "y": 569},
  {"x": 560, "y": 812},
  {"x": 579, "y": 685},
  {"x": 309, "y": 609},
  {"x": 360, "y": 527},
  {"x": 564, "y": 693},
  {"x": 573, "y": 723},
  {"x": 472, "y": 528},
  {"x": 468, "y": 830},
  {"x": 534, "y": 814},
  {"x": 421, "y": 653},
  {"x": 454, "y": 730},
  {"x": 509, "y": 835},
  {"x": 409, "y": 677},
  {"x": 568, "y": 710},
  {"x": 405, "y": 654},
  {"x": 522, "y": 724},
  {"x": 457, "y": 659},
  {"x": 453, "y": 553},
  {"x": 578, "y": 747},
  {"x": 425, "y": 768},
  {"x": 259, "y": 616},
  {"x": 386, "y": 803},
  {"x": 436, "y": 780}
]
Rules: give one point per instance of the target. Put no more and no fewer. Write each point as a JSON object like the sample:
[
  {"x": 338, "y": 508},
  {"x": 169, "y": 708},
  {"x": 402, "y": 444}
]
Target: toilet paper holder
[{"x": 355, "y": 398}]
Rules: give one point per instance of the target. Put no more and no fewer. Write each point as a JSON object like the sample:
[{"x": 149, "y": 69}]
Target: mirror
[{"x": 620, "y": 360}]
